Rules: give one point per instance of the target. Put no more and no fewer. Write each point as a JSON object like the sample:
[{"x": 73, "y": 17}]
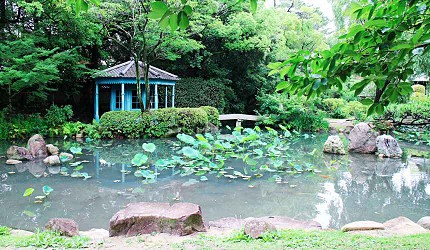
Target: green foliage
[
  {"x": 49, "y": 239},
  {"x": 293, "y": 113},
  {"x": 196, "y": 92},
  {"x": 213, "y": 115},
  {"x": 339, "y": 108},
  {"x": 72, "y": 128},
  {"x": 411, "y": 113},
  {"x": 4, "y": 231},
  {"x": 376, "y": 47},
  {"x": 155, "y": 123},
  {"x": 21, "y": 126},
  {"x": 57, "y": 116},
  {"x": 28, "y": 192}
]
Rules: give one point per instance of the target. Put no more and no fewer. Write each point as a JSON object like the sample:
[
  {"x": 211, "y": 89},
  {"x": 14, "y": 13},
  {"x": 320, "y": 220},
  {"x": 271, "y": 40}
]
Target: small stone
[
  {"x": 19, "y": 153},
  {"x": 255, "y": 228},
  {"x": 54, "y": 170},
  {"x": 65, "y": 157},
  {"x": 52, "y": 160},
  {"x": 13, "y": 162},
  {"x": 388, "y": 146},
  {"x": 95, "y": 234},
  {"x": 20, "y": 233},
  {"x": 334, "y": 145},
  {"x": 424, "y": 222},
  {"x": 52, "y": 150},
  {"x": 66, "y": 227},
  {"x": 362, "y": 225}
]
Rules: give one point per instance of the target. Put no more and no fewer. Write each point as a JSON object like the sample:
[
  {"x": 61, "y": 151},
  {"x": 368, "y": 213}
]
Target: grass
[
  {"x": 46, "y": 239},
  {"x": 296, "y": 239}
]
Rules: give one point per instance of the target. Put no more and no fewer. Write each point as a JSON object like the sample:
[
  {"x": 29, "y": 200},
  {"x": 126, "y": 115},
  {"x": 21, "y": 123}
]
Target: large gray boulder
[
  {"x": 66, "y": 227},
  {"x": 363, "y": 225},
  {"x": 255, "y": 228},
  {"x": 387, "y": 146},
  {"x": 148, "y": 217},
  {"x": 19, "y": 153},
  {"x": 362, "y": 139},
  {"x": 334, "y": 145},
  {"x": 37, "y": 146},
  {"x": 424, "y": 222},
  {"x": 52, "y": 150},
  {"x": 400, "y": 226}
]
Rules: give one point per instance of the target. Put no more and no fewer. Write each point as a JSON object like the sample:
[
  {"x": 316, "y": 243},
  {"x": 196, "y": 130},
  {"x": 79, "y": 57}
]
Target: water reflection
[{"x": 348, "y": 188}]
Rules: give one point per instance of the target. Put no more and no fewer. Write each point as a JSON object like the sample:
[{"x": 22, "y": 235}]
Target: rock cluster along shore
[
  {"x": 182, "y": 219},
  {"x": 37, "y": 149},
  {"x": 363, "y": 140}
]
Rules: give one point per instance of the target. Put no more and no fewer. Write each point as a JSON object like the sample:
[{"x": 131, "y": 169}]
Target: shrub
[
  {"x": 293, "y": 113},
  {"x": 72, "y": 128},
  {"x": 196, "y": 92},
  {"x": 335, "y": 107},
  {"x": 155, "y": 123},
  {"x": 213, "y": 115},
  {"x": 413, "y": 112},
  {"x": 57, "y": 116}
]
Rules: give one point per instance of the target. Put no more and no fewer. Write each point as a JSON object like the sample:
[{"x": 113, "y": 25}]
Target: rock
[
  {"x": 13, "y": 162},
  {"x": 255, "y": 228},
  {"x": 52, "y": 150},
  {"x": 388, "y": 146},
  {"x": 20, "y": 233},
  {"x": 19, "y": 153},
  {"x": 424, "y": 222},
  {"x": 362, "y": 139},
  {"x": 147, "y": 217},
  {"x": 95, "y": 234},
  {"x": 211, "y": 128},
  {"x": 54, "y": 170},
  {"x": 229, "y": 222},
  {"x": 280, "y": 223},
  {"x": 334, "y": 145},
  {"x": 400, "y": 226},
  {"x": 52, "y": 160},
  {"x": 37, "y": 146},
  {"x": 66, "y": 227},
  {"x": 65, "y": 157},
  {"x": 362, "y": 225}
]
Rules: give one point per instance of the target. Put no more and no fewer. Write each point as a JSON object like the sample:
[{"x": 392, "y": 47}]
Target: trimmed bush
[
  {"x": 196, "y": 92},
  {"x": 155, "y": 123},
  {"x": 213, "y": 115}
]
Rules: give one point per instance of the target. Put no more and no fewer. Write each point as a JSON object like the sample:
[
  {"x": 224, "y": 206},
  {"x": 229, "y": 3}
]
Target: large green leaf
[
  {"x": 139, "y": 159},
  {"x": 47, "y": 190},
  {"x": 149, "y": 147},
  {"x": 158, "y": 9}
]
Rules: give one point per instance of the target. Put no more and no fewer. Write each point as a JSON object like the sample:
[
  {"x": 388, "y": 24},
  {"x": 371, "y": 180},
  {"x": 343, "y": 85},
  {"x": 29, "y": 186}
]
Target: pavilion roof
[{"x": 128, "y": 70}]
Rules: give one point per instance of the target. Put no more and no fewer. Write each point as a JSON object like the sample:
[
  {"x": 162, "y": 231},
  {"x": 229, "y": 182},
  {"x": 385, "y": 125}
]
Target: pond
[{"x": 292, "y": 177}]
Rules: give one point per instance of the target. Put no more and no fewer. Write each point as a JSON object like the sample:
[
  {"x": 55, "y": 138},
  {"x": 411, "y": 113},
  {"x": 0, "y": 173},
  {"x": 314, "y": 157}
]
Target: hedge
[{"x": 156, "y": 123}]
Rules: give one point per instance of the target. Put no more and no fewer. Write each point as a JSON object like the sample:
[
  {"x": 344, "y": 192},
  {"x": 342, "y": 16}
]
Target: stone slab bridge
[{"x": 239, "y": 118}]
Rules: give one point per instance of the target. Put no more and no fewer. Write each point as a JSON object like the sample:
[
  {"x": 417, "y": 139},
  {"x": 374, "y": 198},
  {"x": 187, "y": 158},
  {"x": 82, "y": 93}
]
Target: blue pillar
[
  {"x": 122, "y": 96},
  {"x": 156, "y": 96},
  {"x": 165, "y": 99},
  {"x": 96, "y": 102},
  {"x": 173, "y": 96},
  {"x": 144, "y": 97}
]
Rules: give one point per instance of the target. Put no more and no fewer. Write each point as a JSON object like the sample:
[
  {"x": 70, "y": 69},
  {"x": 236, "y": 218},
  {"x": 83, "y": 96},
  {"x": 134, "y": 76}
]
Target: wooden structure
[
  {"x": 239, "y": 118},
  {"x": 120, "y": 82}
]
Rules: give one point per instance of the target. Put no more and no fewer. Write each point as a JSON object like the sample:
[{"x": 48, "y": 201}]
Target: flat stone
[
  {"x": 255, "y": 228},
  {"x": 54, "y": 170},
  {"x": 362, "y": 225},
  {"x": 148, "y": 217},
  {"x": 66, "y": 227},
  {"x": 280, "y": 223},
  {"x": 387, "y": 146},
  {"x": 20, "y": 233},
  {"x": 400, "y": 226},
  {"x": 424, "y": 222},
  {"x": 95, "y": 234},
  {"x": 362, "y": 139},
  {"x": 228, "y": 222},
  {"x": 334, "y": 145},
  {"x": 12, "y": 162}
]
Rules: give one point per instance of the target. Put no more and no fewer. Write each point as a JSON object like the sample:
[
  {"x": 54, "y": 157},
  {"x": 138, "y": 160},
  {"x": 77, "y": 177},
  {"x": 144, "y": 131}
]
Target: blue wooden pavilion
[{"x": 119, "y": 85}]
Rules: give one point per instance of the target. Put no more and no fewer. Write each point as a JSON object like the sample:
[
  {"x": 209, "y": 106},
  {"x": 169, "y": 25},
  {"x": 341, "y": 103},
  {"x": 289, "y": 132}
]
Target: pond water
[{"x": 338, "y": 190}]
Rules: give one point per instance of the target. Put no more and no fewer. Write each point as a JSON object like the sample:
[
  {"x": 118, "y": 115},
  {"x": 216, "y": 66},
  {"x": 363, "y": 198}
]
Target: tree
[
  {"x": 24, "y": 67},
  {"x": 379, "y": 47}
]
